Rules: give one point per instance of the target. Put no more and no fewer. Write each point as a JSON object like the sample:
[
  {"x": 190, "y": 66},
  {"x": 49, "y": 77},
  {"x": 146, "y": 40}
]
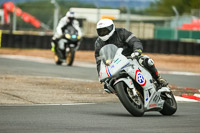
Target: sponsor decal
[
  {"x": 100, "y": 75},
  {"x": 147, "y": 96},
  {"x": 140, "y": 78},
  {"x": 147, "y": 99},
  {"x": 117, "y": 61},
  {"x": 112, "y": 66},
  {"x": 152, "y": 105}
]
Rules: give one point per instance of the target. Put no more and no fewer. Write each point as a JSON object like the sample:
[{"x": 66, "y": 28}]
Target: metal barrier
[{"x": 26, "y": 41}]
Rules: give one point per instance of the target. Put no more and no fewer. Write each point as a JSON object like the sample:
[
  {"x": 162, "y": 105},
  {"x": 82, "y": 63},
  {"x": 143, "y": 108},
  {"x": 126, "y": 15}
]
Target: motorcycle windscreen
[
  {"x": 107, "y": 53},
  {"x": 69, "y": 29}
]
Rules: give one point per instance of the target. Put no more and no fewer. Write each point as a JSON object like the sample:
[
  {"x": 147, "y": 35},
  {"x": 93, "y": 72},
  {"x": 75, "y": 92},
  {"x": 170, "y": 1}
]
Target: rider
[
  {"x": 108, "y": 34},
  {"x": 67, "y": 20}
]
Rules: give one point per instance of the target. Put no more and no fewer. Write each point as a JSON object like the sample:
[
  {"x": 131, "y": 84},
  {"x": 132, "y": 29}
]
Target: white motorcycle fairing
[{"x": 152, "y": 99}]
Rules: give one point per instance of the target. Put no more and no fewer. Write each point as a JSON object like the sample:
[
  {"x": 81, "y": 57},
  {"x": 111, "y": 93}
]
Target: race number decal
[
  {"x": 100, "y": 75},
  {"x": 140, "y": 78}
]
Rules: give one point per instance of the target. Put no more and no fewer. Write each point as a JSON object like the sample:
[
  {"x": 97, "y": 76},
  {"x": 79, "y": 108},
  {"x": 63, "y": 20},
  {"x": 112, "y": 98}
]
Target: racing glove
[{"x": 136, "y": 53}]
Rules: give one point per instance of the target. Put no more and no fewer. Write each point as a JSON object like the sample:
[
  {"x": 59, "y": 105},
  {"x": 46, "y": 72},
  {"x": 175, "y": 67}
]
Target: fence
[{"x": 87, "y": 43}]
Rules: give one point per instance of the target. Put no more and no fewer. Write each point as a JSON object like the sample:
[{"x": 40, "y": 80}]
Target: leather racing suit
[
  {"x": 63, "y": 23},
  {"x": 122, "y": 39},
  {"x": 128, "y": 41}
]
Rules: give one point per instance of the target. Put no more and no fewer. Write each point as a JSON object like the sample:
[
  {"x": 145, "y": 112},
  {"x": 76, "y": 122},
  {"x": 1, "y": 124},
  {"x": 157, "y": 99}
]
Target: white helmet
[
  {"x": 70, "y": 14},
  {"x": 105, "y": 29}
]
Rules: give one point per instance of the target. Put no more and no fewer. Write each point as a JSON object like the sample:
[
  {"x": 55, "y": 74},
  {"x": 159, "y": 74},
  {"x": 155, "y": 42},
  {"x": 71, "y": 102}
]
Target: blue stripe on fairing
[
  {"x": 109, "y": 71},
  {"x": 125, "y": 65}
]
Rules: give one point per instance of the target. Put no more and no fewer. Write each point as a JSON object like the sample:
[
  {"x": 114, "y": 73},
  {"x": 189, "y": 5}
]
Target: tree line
[{"x": 44, "y": 9}]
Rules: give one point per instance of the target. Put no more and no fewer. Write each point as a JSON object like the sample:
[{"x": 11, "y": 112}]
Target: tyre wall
[{"x": 87, "y": 43}]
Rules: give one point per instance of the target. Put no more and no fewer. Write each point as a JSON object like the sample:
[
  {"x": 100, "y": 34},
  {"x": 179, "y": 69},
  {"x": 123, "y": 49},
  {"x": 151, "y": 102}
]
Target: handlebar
[{"x": 130, "y": 57}]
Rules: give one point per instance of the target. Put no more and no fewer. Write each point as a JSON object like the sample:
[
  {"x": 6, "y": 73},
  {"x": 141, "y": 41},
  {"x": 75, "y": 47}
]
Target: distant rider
[
  {"x": 68, "y": 20},
  {"x": 131, "y": 45}
]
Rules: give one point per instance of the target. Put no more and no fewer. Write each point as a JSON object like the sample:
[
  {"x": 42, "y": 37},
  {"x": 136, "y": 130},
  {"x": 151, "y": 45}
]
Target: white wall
[{"x": 93, "y": 14}]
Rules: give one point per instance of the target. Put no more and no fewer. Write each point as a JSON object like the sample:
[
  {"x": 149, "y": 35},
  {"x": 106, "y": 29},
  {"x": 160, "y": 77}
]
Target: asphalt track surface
[{"x": 94, "y": 118}]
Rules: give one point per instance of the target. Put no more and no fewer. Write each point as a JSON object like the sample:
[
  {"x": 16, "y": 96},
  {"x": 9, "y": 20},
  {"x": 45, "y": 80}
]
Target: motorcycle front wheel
[
  {"x": 170, "y": 105},
  {"x": 70, "y": 56},
  {"x": 133, "y": 105}
]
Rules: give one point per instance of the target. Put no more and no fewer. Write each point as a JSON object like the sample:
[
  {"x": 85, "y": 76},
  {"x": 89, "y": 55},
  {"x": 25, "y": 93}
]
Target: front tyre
[
  {"x": 70, "y": 56},
  {"x": 170, "y": 105},
  {"x": 133, "y": 106}
]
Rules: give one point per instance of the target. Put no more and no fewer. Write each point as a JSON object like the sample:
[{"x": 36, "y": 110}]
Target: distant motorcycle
[
  {"x": 67, "y": 46},
  {"x": 133, "y": 84}
]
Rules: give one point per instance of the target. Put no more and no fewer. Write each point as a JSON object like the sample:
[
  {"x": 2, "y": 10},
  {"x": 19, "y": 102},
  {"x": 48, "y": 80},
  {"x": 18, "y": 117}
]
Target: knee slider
[
  {"x": 146, "y": 61},
  {"x": 149, "y": 62}
]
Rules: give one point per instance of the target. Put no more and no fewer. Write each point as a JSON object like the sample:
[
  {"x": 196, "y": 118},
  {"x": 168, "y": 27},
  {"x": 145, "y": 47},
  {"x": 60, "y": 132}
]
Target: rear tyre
[
  {"x": 170, "y": 105},
  {"x": 70, "y": 57},
  {"x": 135, "y": 105}
]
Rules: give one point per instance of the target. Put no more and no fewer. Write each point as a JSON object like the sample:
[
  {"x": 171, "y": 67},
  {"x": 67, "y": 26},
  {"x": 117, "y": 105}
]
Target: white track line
[
  {"x": 73, "y": 79},
  {"x": 28, "y": 58},
  {"x": 180, "y": 73},
  {"x": 182, "y": 99},
  {"x": 67, "y": 104},
  {"x": 46, "y": 60}
]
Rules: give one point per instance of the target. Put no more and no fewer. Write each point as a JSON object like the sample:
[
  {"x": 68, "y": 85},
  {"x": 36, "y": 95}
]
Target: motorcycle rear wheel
[
  {"x": 70, "y": 57},
  {"x": 170, "y": 105},
  {"x": 133, "y": 108}
]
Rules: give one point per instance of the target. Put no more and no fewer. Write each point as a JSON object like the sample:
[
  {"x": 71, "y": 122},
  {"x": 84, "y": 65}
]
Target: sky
[{"x": 112, "y": 3}]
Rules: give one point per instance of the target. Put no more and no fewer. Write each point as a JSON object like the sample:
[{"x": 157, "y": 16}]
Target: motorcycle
[
  {"x": 133, "y": 84},
  {"x": 67, "y": 46}
]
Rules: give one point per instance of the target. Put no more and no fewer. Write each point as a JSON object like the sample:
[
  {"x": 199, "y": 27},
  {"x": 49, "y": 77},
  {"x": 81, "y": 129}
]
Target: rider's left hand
[{"x": 136, "y": 53}]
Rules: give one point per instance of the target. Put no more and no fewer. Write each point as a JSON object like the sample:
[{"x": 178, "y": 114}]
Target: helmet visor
[
  {"x": 71, "y": 19},
  {"x": 104, "y": 31}
]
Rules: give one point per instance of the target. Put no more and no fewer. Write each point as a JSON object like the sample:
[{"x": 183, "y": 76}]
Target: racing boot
[
  {"x": 54, "y": 44},
  {"x": 149, "y": 64},
  {"x": 162, "y": 82},
  {"x": 154, "y": 72}
]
